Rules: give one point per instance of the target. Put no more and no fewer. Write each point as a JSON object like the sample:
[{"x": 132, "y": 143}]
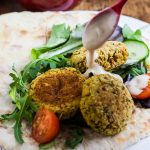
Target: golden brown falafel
[
  {"x": 106, "y": 104},
  {"x": 59, "y": 90},
  {"x": 111, "y": 55}
]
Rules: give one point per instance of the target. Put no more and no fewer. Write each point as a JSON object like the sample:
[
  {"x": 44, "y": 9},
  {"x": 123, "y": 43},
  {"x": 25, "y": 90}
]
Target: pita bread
[{"x": 19, "y": 32}]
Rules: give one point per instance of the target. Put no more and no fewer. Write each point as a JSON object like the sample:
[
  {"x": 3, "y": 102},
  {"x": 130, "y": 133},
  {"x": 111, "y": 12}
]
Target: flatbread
[{"x": 19, "y": 32}]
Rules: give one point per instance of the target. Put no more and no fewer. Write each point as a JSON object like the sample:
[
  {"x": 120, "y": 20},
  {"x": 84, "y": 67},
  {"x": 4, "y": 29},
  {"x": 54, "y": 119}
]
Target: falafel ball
[
  {"x": 110, "y": 56},
  {"x": 106, "y": 104},
  {"x": 58, "y": 90}
]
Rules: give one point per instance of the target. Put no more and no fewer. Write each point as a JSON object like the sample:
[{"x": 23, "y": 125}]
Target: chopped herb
[{"x": 76, "y": 137}]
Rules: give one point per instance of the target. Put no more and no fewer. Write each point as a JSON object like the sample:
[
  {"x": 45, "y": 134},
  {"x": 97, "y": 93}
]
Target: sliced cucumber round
[
  {"x": 147, "y": 60},
  {"x": 137, "y": 51}
]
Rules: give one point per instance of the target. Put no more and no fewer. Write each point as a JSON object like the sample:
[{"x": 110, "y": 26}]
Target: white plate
[
  {"x": 136, "y": 24},
  {"x": 145, "y": 27}
]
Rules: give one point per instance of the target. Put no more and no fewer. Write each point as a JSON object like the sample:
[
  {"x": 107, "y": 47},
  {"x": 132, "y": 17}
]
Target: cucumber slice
[
  {"x": 147, "y": 60},
  {"x": 147, "y": 63},
  {"x": 137, "y": 51}
]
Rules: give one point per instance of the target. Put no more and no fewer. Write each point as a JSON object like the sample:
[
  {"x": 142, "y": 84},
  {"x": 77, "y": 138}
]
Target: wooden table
[{"x": 136, "y": 8}]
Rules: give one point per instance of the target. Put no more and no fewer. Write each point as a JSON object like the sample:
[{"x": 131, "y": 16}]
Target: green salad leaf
[
  {"x": 41, "y": 65},
  {"x": 130, "y": 34},
  {"x": 59, "y": 35},
  {"x": 73, "y": 42},
  {"x": 69, "y": 47}
]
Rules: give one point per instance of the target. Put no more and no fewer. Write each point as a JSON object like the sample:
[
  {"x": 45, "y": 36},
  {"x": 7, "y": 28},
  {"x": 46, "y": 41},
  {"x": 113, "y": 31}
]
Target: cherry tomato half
[
  {"x": 45, "y": 126},
  {"x": 145, "y": 93}
]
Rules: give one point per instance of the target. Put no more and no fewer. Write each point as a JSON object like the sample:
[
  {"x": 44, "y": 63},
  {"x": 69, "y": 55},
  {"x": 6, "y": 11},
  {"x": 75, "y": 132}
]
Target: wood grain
[{"x": 136, "y": 8}]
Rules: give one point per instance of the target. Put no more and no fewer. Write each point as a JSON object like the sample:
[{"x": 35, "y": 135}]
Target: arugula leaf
[
  {"x": 18, "y": 132},
  {"x": 11, "y": 116},
  {"x": 19, "y": 94},
  {"x": 41, "y": 65},
  {"x": 59, "y": 35},
  {"x": 52, "y": 65},
  {"x": 17, "y": 127},
  {"x": 76, "y": 137},
  {"x": 36, "y": 52},
  {"x": 17, "y": 86},
  {"x": 25, "y": 108},
  {"x": 17, "y": 116},
  {"x": 131, "y": 35}
]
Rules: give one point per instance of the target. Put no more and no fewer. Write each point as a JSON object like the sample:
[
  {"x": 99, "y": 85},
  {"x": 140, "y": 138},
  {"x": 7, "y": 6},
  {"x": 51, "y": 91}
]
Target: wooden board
[{"x": 136, "y": 8}]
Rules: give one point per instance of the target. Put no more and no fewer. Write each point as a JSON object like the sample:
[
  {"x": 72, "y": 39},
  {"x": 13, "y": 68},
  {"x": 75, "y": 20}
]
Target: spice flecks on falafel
[
  {"x": 110, "y": 56},
  {"x": 106, "y": 104},
  {"x": 58, "y": 90}
]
